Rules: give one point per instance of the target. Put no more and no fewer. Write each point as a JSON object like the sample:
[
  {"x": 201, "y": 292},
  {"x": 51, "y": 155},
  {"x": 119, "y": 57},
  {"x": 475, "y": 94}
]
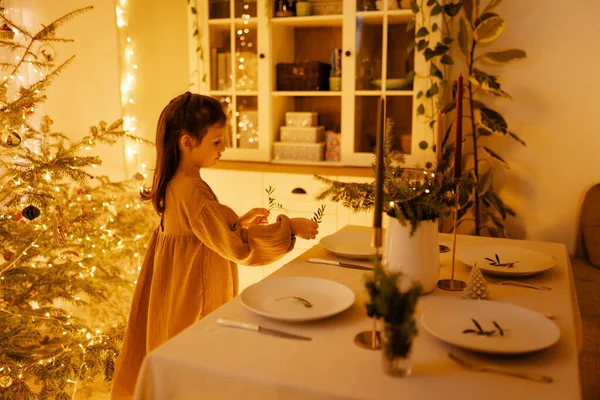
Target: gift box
[
  {"x": 333, "y": 146},
  {"x": 298, "y": 151},
  {"x": 295, "y": 118},
  {"x": 309, "y": 134}
]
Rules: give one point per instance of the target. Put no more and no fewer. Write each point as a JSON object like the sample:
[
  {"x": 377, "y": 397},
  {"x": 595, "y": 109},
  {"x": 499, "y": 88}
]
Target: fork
[
  {"x": 522, "y": 284},
  {"x": 497, "y": 370}
]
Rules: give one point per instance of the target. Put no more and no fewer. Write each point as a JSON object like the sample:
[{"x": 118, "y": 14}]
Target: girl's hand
[
  {"x": 256, "y": 216},
  {"x": 304, "y": 228}
]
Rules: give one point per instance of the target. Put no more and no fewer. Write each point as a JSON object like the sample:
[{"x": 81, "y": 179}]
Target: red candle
[{"x": 458, "y": 138}]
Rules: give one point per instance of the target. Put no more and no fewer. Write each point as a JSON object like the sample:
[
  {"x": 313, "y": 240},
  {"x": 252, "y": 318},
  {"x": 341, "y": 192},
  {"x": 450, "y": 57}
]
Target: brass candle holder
[{"x": 452, "y": 284}]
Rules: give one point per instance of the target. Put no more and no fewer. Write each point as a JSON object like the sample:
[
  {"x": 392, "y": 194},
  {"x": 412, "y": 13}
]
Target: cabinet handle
[
  {"x": 261, "y": 55},
  {"x": 348, "y": 53},
  {"x": 298, "y": 190}
]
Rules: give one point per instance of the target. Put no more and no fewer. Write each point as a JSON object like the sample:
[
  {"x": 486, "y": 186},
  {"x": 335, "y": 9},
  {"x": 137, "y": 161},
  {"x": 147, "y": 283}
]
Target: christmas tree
[{"x": 71, "y": 242}]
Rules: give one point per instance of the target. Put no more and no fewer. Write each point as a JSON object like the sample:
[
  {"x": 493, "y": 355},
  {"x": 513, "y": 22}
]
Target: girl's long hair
[{"x": 190, "y": 113}]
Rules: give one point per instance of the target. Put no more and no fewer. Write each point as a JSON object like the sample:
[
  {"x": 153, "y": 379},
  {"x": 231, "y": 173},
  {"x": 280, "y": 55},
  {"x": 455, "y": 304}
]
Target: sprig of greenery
[
  {"x": 273, "y": 204},
  {"x": 497, "y": 263},
  {"x": 482, "y": 332},
  {"x": 318, "y": 215}
]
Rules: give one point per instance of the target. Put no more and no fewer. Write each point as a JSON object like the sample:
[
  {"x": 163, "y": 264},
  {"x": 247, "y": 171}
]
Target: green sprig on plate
[{"x": 497, "y": 263}]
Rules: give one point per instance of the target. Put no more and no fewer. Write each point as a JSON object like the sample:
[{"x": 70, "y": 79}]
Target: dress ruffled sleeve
[{"x": 217, "y": 226}]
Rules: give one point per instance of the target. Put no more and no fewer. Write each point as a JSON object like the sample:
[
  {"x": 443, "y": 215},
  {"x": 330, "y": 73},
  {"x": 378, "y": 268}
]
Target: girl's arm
[{"x": 218, "y": 227}]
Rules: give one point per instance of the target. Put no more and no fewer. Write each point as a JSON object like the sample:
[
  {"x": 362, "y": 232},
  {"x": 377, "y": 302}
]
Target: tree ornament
[
  {"x": 8, "y": 256},
  {"x": 60, "y": 236},
  {"x": 45, "y": 124},
  {"x": 3, "y": 304},
  {"x": 47, "y": 52},
  {"x": 10, "y": 138},
  {"x": 17, "y": 216},
  {"x": 31, "y": 212},
  {"x": 476, "y": 286},
  {"x": 6, "y": 34},
  {"x": 5, "y": 381},
  {"x": 138, "y": 177},
  {"x": 79, "y": 192}
]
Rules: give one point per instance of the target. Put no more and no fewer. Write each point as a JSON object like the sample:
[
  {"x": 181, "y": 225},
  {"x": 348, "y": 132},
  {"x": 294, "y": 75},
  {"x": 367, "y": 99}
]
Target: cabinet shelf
[
  {"x": 231, "y": 93},
  {"x": 310, "y": 21},
  {"x": 305, "y": 93},
  {"x": 376, "y": 17},
  {"x": 223, "y": 22}
]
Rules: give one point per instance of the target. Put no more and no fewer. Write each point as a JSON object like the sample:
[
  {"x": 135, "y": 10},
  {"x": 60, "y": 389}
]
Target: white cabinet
[{"x": 242, "y": 43}]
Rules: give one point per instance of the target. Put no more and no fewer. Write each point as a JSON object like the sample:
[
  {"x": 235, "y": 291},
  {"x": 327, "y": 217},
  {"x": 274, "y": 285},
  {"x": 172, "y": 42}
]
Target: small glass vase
[{"x": 396, "y": 351}]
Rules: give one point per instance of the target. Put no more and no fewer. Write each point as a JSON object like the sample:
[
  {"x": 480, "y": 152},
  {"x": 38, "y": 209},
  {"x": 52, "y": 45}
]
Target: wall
[
  {"x": 554, "y": 109},
  {"x": 88, "y": 90}
]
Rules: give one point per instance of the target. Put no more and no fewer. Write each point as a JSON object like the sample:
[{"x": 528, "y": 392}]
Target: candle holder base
[
  {"x": 453, "y": 285},
  {"x": 365, "y": 340}
]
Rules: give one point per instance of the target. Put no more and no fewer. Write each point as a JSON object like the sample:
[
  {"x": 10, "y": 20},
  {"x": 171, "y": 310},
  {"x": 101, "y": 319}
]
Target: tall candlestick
[
  {"x": 458, "y": 139},
  {"x": 379, "y": 172}
]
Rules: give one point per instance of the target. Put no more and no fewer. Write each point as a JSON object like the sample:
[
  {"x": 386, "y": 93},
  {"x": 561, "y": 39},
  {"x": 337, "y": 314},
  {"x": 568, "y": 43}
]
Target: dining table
[{"x": 211, "y": 361}]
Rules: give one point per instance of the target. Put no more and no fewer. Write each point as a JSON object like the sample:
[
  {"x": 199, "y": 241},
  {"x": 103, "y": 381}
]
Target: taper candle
[
  {"x": 379, "y": 165},
  {"x": 458, "y": 139},
  {"x": 439, "y": 136}
]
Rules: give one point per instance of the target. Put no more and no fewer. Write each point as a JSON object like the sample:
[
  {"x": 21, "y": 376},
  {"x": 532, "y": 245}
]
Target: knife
[
  {"x": 260, "y": 329},
  {"x": 339, "y": 264}
]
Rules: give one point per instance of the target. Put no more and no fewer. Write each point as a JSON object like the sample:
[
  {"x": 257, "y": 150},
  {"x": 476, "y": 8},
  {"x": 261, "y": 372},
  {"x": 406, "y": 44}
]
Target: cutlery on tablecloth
[
  {"x": 521, "y": 284},
  {"x": 500, "y": 370},
  {"x": 339, "y": 264},
  {"x": 260, "y": 329}
]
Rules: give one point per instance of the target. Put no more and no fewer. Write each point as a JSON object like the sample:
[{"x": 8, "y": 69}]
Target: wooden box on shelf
[{"x": 310, "y": 75}]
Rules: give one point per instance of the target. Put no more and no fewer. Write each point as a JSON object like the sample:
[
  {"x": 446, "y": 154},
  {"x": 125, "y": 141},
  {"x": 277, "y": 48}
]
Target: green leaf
[
  {"x": 463, "y": 38},
  {"x": 483, "y": 131},
  {"x": 491, "y": 5},
  {"x": 414, "y": 7},
  {"x": 434, "y": 27},
  {"x": 422, "y": 32},
  {"x": 429, "y": 54},
  {"x": 495, "y": 155},
  {"x": 492, "y": 120},
  {"x": 496, "y": 202},
  {"x": 489, "y": 29},
  {"x": 410, "y": 47},
  {"x": 452, "y": 9},
  {"x": 423, "y": 145},
  {"x": 489, "y": 83},
  {"x": 518, "y": 139},
  {"x": 432, "y": 91},
  {"x": 195, "y": 32},
  {"x": 411, "y": 75},
  {"x": 430, "y": 3},
  {"x": 422, "y": 44},
  {"x": 510, "y": 211},
  {"x": 478, "y": 104},
  {"x": 448, "y": 40},
  {"x": 410, "y": 25},
  {"x": 503, "y": 56},
  {"x": 420, "y": 94},
  {"x": 447, "y": 60},
  {"x": 448, "y": 107},
  {"x": 435, "y": 71},
  {"x": 421, "y": 109},
  {"x": 467, "y": 6},
  {"x": 193, "y": 9},
  {"x": 485, "y": 181},
  {"x": 436, "y": 10}
]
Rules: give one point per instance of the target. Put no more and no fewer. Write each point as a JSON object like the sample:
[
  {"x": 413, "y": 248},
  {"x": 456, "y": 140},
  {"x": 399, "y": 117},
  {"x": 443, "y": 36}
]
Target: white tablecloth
[{"x": 208, "y": 361}]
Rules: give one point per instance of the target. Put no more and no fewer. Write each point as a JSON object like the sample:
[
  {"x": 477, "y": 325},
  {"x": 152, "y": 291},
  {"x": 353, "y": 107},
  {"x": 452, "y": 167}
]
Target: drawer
[{"x": 297, "y": 193}]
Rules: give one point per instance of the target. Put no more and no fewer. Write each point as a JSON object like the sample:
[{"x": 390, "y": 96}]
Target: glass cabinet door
[
  {"x": 381, "y": 68},
  {"x": 234, "y": 76}
]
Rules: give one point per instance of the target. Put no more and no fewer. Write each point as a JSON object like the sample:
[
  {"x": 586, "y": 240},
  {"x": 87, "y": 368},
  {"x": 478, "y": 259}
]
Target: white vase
[{"x": 417, "y": 256}]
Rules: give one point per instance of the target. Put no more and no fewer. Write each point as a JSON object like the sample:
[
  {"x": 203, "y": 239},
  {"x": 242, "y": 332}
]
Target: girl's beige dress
[{"x": 187, "y": 272}]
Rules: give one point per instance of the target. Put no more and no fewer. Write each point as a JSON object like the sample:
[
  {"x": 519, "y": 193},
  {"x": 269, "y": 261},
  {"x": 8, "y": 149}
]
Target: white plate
[
  {"x": 529, "y": 262},
  {"x": 274, "y": 298},
  {"x": 525, "y": 330},
  {"x": 392, "y": 84},
  {"x": 355, "y": 245}
]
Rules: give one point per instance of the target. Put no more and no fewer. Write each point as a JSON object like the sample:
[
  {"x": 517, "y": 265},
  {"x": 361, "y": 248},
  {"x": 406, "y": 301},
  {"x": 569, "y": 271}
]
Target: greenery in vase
[
  {"x": 395, "y": 306},
  {"x": 409, "y": 195}
]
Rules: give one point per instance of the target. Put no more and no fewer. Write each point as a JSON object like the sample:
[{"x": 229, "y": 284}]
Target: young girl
[{"x": 190, "y": 268}]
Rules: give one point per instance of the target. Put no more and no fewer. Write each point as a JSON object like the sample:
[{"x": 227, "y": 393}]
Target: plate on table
[
  {"x": 505, "y": 260},
  {"x": 523, "y": 330},
  {"x": 297, "y": 298},
  {"x": 355, "y": 245}
]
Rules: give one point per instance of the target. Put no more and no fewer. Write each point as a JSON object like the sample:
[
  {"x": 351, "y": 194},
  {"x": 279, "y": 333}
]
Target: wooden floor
[{"x": 587, "y": 283}]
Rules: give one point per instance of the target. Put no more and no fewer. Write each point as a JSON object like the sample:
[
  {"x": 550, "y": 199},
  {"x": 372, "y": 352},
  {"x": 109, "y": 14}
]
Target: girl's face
[{"x": 209, "y": 150}]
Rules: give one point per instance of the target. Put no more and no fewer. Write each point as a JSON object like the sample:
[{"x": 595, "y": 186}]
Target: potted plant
[{"x": 393, "y": 299}]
